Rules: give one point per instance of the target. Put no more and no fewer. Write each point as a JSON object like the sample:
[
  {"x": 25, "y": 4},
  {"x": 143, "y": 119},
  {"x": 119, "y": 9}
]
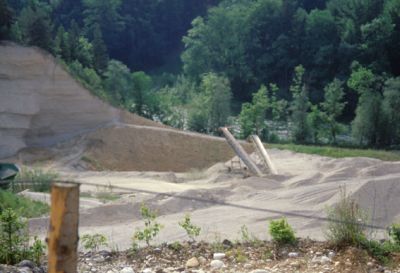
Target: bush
[
  {"x": 192, "y": 230},
  {"x": 394, "y": 233},
  {"x": 93, "y": 242},
  {"x": 151, "y": 229},
  {"x": 346, "y": 226},
  {"x": 14, "y": 240},
  {"x": 282, "y": 232}
]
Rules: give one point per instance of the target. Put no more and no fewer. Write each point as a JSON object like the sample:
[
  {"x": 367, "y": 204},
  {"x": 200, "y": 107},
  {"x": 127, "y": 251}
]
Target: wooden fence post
[
  {"x": 63, "y": 232},
  {"x": 241, "y": 153}
]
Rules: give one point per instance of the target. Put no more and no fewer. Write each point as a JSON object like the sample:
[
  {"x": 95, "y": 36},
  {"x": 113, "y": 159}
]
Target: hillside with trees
[{"x": 308, "y": 71}]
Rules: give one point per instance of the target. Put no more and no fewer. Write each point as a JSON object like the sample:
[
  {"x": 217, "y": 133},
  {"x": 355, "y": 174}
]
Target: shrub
[
  {"x": 93, "y": 242},
  {"x": 346, "y": 226},
  {"x": 192, "y": 230},
  {"x": 14, "y": 240},
  {"x": 394, "y": 233},
  {"x": 282, "y": 232},
  {"x": 151, "y": 229}
]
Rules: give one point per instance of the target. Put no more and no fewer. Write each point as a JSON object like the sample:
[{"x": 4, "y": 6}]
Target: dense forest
[{"x": 309, "y": 71}]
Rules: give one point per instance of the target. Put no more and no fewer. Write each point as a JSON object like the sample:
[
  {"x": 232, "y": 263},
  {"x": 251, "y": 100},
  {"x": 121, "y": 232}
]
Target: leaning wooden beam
[
  {"x": 265, "y": 156},
  {"x": 241, "y": 153},
  {"x": 63, "y": 232}
]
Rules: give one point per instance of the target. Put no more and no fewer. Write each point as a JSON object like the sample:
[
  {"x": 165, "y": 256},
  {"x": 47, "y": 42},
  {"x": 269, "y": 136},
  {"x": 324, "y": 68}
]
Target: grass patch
[
  {"x": 337, "y": 152},
  {"x": 36, "y": 180},
  {"x": 21, "y": 205}
]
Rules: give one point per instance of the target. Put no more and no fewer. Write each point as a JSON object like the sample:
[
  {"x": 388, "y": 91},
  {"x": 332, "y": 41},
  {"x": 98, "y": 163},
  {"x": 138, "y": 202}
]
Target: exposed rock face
[{"x": 41, "y": 104}]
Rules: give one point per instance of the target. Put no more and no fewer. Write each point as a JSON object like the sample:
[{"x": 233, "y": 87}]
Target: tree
[
  {"x": 142, "y": 99},
  {"x": 299, "y": 107},
  {"x": 100, "y": 56},
  {"x": 366, "y": 125},
  {"x": 332, "y": 107},
  {"x": 36, "y": 26},
  {"x": 253, "y": 115},
  {"x": 73, "y": 40},
  {"x": 390, "y": 109},
  {"x": 6, "y": 18},
  {"x": 218, "y": 93},
  {"x": 210, "y": 108},
  {"x": 117, "y": 82}
]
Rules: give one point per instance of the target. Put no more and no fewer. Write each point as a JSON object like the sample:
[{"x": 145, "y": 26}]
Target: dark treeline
[
  {"x": 140, "y": 33},
  {"x": 314, "y": 71}
]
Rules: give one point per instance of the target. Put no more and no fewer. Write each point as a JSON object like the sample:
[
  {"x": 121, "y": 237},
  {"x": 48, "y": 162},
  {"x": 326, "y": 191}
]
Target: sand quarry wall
[{"x": 42, "y": 105}]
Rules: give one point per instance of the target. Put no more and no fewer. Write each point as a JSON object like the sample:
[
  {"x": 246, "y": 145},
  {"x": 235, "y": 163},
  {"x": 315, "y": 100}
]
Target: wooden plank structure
[
  {"x": 241, "y": 153},
  {"x": 63, "y": 232},
  {"x": 264, "y": 155}
]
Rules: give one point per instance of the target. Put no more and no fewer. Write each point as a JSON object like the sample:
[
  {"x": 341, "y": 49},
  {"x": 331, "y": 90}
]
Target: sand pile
[
  {"x": 46, "y": 115},
  {"x": 306, "y": 186}
]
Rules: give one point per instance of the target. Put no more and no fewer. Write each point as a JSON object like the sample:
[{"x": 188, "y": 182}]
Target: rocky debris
[
  {"x": 126, "y": 270},
  {"x": 293, "y": 255},
  {"x": 265, "y": 257},
  {"x": 218, "y": 256},
  {"x": 217, "y": 264},
  {"x": 193, "y": 262}
]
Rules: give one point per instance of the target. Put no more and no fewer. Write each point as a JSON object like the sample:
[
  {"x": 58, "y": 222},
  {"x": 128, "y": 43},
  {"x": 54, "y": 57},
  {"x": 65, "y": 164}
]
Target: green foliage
[
  {"x": 6, "y": 17},
  {"x": 253, "y": 115},
  {"x": 282, "y": 232},
  {"x": 100, "y": 56},
  {"x": 299, "y": 107},
  {"x": 176, "y": 246},
  {"x": 93, "y": 242},
  {"x": 390, "y": 109},
  {"x": 37, "y": 180},
  {"x": 23, "y": 206},
  {"x": 210, "y": 108},
  {"x": 366, "y": 125},
  {"x": 192, "y": 230},
  {"x": 14, "y": 240},
  {"x": 218, "y": 100},
  {"x": 346, "y": 222},
  {"x": 151, "y": 229},
  {"x": 142, "y": 97},
  {"x": 117, "y": 79},
  {"x": 332, "y": 108},
  {"x": 394, "y": 233},
  {"x": 337, "y": 152}
]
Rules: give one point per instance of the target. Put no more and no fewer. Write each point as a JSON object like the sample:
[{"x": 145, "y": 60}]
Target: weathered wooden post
[
  {"x": 63, "y": 232},
  {"x": 240, "y": 152},
  {"x": 265, "y": 156}
]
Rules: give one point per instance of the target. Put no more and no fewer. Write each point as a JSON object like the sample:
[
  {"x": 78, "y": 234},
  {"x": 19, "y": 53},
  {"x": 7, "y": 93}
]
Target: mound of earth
[{"x": 45, "y": 114}]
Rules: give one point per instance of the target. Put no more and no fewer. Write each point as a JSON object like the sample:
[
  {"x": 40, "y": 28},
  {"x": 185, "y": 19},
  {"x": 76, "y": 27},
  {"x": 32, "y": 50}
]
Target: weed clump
[
  {"x": 94, "y": 242},
  {"x": 347, "y": 222}
]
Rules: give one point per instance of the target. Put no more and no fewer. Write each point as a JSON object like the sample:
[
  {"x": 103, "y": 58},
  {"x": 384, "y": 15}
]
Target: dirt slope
[{"x": 43, "y": 107}]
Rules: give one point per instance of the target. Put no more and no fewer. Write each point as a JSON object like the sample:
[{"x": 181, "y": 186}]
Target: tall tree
[
  {"x": 99, "y": 50},
  {"x": 6, "y": 18},
  {"x": 332, "y": 107},
  {"x": 390, "y": 109},
  {"x": 253, "y": 115},
  {"x": 366, "y": 124},
  {"x": 299, "y": 107}
]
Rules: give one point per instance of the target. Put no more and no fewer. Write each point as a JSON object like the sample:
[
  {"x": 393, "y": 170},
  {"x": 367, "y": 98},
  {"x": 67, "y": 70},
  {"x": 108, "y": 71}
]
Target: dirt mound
[{"x": 47, "y": 115}]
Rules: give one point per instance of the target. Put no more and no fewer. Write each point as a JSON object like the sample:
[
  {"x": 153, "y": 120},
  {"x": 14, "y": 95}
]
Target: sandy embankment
[{"x": 48, "y": 118}]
